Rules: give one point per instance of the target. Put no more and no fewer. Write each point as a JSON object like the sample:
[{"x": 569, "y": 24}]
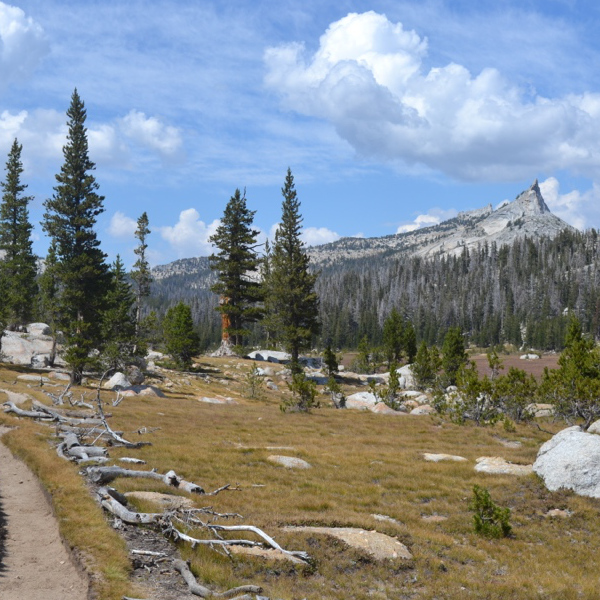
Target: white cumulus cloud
[
  {"x": 23, "y": 44},
  {"x": 367, "y": 78},
  {"x": 580, "y": 209},
  {"x": 433, "y": 217},
  {"x": 189, "y": 236},
  {"x": 315, "y": 236},
  {"x": 151, "y": 132},
  {"x": 122, "y": 226}
]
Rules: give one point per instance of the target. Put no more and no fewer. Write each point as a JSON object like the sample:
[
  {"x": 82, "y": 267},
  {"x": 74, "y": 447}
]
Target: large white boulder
[
  {"x": 117, "y": 382},
  {"x": 361, "y": 400},
  {"x": 407, "y": 379},
  {"x": 571, "y": 459},
  {"x": 270, "y": 356},
  {"x": 32, "y": 349}
]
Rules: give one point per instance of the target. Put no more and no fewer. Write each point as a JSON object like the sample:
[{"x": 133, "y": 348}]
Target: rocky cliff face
[{"x": 527, "y": 215}]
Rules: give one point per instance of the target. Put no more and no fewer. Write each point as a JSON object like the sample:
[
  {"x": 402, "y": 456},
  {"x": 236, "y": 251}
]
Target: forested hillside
[{"x": 516, "y": 293}]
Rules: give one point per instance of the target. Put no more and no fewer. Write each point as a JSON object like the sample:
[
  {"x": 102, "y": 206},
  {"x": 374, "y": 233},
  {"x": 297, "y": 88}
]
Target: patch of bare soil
[
  {"x": 535, "y": 367},
  {"x": 34, "y": 564}
]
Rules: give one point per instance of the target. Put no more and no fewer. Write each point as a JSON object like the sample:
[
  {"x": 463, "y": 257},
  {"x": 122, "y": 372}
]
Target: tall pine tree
[
  {"x": 69, "y": 222},
  {"x": 237, "y": 264},
  {"x": 141, "y": 274},
  {"x": 118, "y": 320},
  {"x": 293, "y": 302},
  {"x": 18, "y": 267}
]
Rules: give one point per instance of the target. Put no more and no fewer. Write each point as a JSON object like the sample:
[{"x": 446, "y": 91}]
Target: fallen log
[
  {"x": 204, "y": 592},
  {"x": 102, "y": 475},
  {"x": 116, "y": 508},
  {"x": 32, "y": 414}
]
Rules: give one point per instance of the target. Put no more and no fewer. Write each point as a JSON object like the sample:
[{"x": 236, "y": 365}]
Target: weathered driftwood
[
  {"x": 70, "y": 420},
  {"x": 71, "y": 449},
  {"x": 103, "y": 475},
  {"x": 171, "y": 530},
  {"x": 32, "y": 414},
  {"x": 60, "y": 399},
  {"x": 238, "y": 593},
  {"x": 116, "y": 508},
  {"x": 113, "y": 434}
]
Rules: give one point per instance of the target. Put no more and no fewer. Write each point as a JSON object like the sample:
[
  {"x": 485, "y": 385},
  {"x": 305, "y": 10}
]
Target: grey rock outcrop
[
  {"x": 31, "y": 348},
  {"x": 571, "y": 460}
]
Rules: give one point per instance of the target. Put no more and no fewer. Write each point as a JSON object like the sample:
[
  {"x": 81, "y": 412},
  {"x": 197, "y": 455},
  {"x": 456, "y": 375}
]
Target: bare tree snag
[{"x": 199, "y": 590}]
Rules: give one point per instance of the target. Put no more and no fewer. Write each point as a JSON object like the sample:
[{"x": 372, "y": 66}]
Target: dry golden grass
[{"x": 362, "y": 464}]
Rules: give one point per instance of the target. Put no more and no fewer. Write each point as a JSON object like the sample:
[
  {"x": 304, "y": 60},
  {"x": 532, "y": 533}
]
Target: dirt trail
[{"x": 34, "y": 563}]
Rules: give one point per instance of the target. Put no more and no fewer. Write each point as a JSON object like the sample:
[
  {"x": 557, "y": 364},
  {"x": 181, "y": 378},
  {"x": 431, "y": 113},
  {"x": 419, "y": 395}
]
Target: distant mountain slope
[
  {"x": 528, "y": 215},
  {"x": 509, "y": 274}
]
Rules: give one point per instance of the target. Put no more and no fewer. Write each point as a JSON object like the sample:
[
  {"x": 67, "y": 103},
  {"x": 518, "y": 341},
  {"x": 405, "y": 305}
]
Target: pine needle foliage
[
  {"x": 293, "y": 302},
  {"x": 18, "y": 267},
  {"x": 489, "y": 519},
  {"x": 237, "y": 264},
  {"x": 69, "y": 221},
  {"x": 181, "y": 340},
  {"x": 119, "y": 327}
]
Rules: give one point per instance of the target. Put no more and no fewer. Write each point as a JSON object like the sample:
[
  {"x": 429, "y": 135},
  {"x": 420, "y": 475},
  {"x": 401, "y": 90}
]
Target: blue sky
[{"x": 391, "y": 114}]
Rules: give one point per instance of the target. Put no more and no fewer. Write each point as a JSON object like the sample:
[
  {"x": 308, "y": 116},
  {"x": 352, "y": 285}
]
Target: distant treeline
[{"x": 519, "y": 294}]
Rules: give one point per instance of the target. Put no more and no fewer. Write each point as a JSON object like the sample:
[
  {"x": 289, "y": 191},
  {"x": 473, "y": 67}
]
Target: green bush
[
  {"x": 489, "y": 519},
  {"x": 304, "y": 393},
  {"x": 254, "y": 384}
]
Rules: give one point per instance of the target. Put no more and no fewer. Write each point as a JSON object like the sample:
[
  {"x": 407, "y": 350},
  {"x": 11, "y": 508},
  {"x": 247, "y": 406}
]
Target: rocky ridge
[{"x": 527, "y": 215}]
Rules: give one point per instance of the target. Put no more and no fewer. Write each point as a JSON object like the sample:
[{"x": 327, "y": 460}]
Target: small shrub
[
  {"x": 489, "y": 519},
  {"x": 334, "y": 389},
  {"x": 254, "y": 384},
  {"x": 304, "y": 393}
]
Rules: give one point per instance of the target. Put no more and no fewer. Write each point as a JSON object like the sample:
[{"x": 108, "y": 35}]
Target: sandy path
[{"x": 36, "y": 565}]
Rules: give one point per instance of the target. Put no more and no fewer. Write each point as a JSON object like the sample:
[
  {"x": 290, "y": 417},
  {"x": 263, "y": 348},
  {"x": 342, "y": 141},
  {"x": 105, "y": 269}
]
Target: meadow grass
[{"x": 362, "y": 464}]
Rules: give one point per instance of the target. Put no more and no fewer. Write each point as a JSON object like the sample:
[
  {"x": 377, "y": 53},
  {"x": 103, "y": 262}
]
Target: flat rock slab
[
  {"x": 221, "y": 400},
  {"x": 425, "y": 409},
  {"x": 441, "y": 457},
  {"x": 16, "y": 397},
  {"x": 143, "y": 390},
  {"x": 433, "y": 518},
  {"x": 163, "y": 500},
  {"x": 386, "y": 518},
  {"x": 268, "y": 553},
  {"x": 36, "y": 378},
  {"x": 496, "y": 465},
  {"x": 289, "y": 462},
  {"x": 378, "y": 545},
  {"x": 36, "y": 565}
]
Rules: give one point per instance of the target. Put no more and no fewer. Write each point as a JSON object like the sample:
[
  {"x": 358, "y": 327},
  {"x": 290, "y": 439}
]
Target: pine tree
[
  {"x": 18, "y": 268},
  {"x": 393, "y": 337},
  {"x": 292, "y": 297},
  {"x": 69, "y": 221},
  {"x": 410, "y": 342},
  {"x": 454, "y": 355},
  {"x": 140, "y": 273},
  {"x": 237, "y": 264},
  {"x": 181, "y": 340},
  {"x": 118, "y": 320}
]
